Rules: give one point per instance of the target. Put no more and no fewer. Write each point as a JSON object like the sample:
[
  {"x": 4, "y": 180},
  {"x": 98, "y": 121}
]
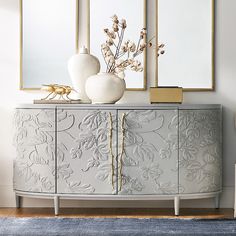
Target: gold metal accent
[
  {"x": 166, "y": 95},
  {"x": 21, "y": 42},
  {"x": 145, "y": 50},
  {"x": 122, "y": 149},
  {"x": 212, "y": 53},
  {"x": 54, "y": 90},
  {"x": 110, "y": 148}
]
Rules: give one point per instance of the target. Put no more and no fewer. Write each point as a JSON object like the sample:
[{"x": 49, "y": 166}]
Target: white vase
[
  {"x": 105, "y": 88},
  {"x": 81, "y": 66}
]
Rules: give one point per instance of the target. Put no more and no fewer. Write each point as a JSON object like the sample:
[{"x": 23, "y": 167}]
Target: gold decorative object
[
  {"x": 111, "y": 151},
  {"x": 166, "y": 95},
  {"x": 122, "y": 149},
  {"x": 54, "y": 90}
]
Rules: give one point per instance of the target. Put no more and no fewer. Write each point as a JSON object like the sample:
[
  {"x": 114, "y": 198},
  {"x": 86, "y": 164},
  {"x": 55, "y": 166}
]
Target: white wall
[{"x": 225, "y": 94}]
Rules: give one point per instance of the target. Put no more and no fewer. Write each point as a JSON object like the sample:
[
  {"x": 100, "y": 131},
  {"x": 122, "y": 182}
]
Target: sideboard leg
[
  {"x": 56, "y": 205},
  {"x": 18, "y": 201},
  {"x": 235, "y": 197},
  {"x": 234, "y": 210},
  {"x": 177, "y": 201},
  {"x": 217, "y": 201},
  {"x": 235, "y": 191}
]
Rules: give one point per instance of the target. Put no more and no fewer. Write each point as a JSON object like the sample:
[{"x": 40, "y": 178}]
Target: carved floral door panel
[
  {"x": 148, "y": 152},
  {"x": 200, "y": 150},
  {"x": 34, "y": 166},
  {"x": 86, "y": 151}
]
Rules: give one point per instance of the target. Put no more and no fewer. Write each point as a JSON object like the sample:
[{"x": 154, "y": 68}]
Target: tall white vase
[{"x": 81, "y": 66}]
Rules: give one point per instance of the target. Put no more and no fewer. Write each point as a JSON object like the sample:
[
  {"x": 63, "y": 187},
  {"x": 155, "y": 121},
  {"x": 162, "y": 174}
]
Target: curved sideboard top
[{"x": 121, "y": 106}]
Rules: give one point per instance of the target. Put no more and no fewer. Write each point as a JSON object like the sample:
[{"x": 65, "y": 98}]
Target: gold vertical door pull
[
  {"x": 110, "y": 149},
  {"x": 122, "y": 149}
]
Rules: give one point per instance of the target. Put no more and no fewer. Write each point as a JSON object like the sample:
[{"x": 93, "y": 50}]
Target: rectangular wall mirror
[
  {"x": 186, "y": 27},
  {"x": 49, "y": 37},
  {"x": 134, "y": 11}
]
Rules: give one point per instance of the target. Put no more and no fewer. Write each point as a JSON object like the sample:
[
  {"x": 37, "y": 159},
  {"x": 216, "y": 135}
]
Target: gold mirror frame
[
  {"x": 144, "y": 53},
  {"x": 212, "y": 53},
  {"x": 21, "y": 41}
]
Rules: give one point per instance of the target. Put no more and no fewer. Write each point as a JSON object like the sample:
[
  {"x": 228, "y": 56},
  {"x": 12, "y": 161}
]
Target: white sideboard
[{"x": 118, "y": 152}]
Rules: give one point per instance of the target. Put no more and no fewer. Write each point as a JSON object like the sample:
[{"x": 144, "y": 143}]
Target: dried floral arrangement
[{"x": 115, "y": 49}]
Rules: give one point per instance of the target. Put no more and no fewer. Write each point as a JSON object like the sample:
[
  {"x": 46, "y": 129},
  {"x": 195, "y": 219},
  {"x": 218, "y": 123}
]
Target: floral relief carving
[
  {"x": 131, "y": 185},
  {"x": 151, "y": 172},
  {"x": 198, "y": 143},
  {"x": 24, "y": 170},
  {"x": 92, "y": 136},
  {"x": 94, "y": 120},
  {"x": 141, "y": 117},
  {"x": 78, "y": 187},
  {"x": 133, "y": 133},
  {"x": 200, "y": 149},
  {"x": 140, "y": 153},
  {"x": 168, "y": 188},
  {"x": 34, "y": 142},
  {"x": 127, "y": 160},
  {"x": 103, "y": 172},
  {"x": 64, "y": 171},
  {"x": 144, "y": 151}
]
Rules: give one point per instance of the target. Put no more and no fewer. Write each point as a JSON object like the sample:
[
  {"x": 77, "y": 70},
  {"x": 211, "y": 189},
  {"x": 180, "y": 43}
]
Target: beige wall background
[{"x": 225, "y": 94}]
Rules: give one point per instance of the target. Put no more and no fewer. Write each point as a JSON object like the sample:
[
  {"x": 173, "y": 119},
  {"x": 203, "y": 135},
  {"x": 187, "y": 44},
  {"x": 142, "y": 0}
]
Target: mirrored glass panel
[
  {"x": 48, "y": 39},
  {"x": 186, "y": 27}
]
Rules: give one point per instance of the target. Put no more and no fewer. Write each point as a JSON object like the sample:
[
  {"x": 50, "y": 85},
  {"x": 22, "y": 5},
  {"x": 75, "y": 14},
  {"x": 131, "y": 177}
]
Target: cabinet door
[
  {"x": 86, "y": 151},
  {"x": 148, "y": 152},
  {"x": 34, "y": 166},
  {"x": 200, "y": 150}
]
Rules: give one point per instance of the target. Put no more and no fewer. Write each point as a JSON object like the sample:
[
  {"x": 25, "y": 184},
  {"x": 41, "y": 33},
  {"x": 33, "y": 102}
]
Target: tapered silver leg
[
  {"x": 177, "y": 202},
  {"x": 217, "y": 201},
  {"x": 18, "y": 201},
  {"x": 56, "y": 205}
]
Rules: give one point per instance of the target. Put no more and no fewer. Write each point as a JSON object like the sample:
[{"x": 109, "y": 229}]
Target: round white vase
[
  {"x": 105, "y": 88},
  {"x": 81, "y": 66}
]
